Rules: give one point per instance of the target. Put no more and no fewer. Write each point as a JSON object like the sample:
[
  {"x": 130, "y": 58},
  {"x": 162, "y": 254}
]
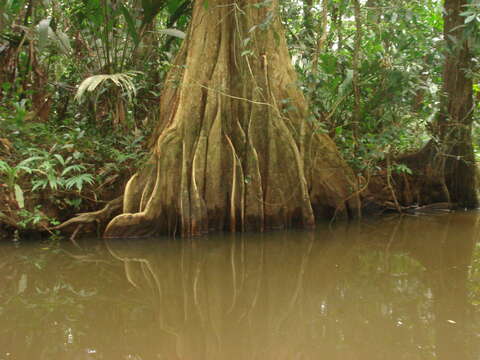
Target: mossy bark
[{"x": 233, "y": 149}]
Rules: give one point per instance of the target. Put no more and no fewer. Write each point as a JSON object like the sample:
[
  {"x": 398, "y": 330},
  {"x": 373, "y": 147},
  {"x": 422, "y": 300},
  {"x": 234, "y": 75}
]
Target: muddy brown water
[{"x": 393, "y": 288}]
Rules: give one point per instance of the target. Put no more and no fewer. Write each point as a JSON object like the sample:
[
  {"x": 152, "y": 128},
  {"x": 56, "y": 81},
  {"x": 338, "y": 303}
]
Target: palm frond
[{"x": 121, "y": 80}]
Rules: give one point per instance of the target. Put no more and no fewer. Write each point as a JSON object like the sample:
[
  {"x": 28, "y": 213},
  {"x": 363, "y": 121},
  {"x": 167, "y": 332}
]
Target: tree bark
[
  {"x": 232, "y": 150},
  {"x": 444, "y": 170},
  {"x": 454, "y": 125},
  {"x": 321, "y": 37},
  {"x": 356, "y": 62}
]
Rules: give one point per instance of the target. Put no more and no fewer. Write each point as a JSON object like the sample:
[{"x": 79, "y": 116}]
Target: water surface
[{"x": 397, "y": 288}]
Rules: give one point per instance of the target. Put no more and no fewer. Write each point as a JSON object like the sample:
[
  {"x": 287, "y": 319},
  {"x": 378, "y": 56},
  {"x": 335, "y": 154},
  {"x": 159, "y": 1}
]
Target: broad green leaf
[
  {"x": 95, "y": 13},
  {"x": 173, "y": 5},
  {"x": 151, "y": 8},
  {"x": 329, "y": 63},
  {"x": 132, "y": 30},
  {"x": 14, "y": 6}
]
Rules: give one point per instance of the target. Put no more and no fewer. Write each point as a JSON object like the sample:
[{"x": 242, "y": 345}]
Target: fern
[
  {"x": 4, "y": 167},
  {"x": 75, "y": 168},
  {"x": 78, "y": 181}
]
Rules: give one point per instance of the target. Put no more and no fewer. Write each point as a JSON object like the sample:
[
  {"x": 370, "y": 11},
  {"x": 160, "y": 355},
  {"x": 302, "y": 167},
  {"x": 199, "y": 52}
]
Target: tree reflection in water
[
  {"x": 398, "y": 288},
  {"x": 395, "y": 289}
]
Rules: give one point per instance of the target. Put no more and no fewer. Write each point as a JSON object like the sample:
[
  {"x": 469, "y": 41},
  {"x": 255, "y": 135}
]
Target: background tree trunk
[
  {"x": 232, "y": 149},
  {"x": 454, "y": 126},
  {"x": 444, "y": 170}
]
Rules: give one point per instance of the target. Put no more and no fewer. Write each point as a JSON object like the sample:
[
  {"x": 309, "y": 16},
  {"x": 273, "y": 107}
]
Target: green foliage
[
  {"x": 399, "y": 74},
  {"x": 112, "y": 57},
  {"x": 66, "y": 154},
  {"x": 29, "y": 219},
  {"x": 64, "y": 167}
]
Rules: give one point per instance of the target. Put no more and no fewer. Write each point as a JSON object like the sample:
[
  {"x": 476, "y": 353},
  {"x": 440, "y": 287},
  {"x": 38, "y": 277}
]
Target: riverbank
[{"x": 50, "y": 172}]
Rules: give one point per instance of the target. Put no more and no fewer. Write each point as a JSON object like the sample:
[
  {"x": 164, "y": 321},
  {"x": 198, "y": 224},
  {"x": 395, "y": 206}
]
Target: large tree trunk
[
  {"x": 454, "y": 126},
  {"x": 233, "y": 149},
  {"x": 444, "y": 170}
]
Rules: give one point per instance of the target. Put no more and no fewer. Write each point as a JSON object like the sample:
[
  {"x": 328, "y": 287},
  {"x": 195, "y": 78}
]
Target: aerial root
[{"x": 100, "y": 216}]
